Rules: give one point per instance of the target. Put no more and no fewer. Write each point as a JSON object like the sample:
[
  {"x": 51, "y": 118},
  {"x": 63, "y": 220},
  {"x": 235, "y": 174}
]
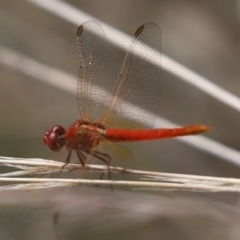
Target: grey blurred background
[{"x": 202, "y": 35}]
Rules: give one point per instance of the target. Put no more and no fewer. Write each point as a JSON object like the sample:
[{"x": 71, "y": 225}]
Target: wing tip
[{"x": 80, "y": 30}]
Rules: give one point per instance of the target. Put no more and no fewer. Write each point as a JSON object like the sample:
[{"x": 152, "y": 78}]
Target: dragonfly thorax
[{"x": 84, "y": 135}]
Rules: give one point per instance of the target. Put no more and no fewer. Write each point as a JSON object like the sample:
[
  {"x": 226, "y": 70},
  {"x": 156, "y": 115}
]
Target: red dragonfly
[{"x": 106, "y": 105}]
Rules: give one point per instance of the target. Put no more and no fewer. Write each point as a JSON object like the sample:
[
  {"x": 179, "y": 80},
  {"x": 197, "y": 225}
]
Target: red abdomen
[{"x": 121, "y": 135}]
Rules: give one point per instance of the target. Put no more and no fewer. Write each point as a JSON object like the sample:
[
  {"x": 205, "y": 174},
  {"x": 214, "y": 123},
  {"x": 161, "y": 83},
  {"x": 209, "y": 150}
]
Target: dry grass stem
[{"x": 26, "y": 179}]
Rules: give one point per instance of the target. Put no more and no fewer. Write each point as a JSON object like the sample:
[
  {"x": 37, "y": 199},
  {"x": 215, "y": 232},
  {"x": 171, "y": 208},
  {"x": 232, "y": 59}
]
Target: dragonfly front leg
[
  {"x": 67, "y": 160},
  {"x": 81, "y": 158}
]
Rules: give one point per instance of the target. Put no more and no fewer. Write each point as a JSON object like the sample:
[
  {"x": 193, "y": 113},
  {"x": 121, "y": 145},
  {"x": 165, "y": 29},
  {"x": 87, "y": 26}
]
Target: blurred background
[{"x": 204, "y": 36}]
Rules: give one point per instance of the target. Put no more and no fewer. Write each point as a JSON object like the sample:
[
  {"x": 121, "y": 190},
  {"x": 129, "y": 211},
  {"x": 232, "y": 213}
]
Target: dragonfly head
[{"x": 54, "y": 138}]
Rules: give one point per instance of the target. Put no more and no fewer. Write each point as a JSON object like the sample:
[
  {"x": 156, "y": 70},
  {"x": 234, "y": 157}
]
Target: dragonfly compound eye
[{"x": 54, "y": 138}]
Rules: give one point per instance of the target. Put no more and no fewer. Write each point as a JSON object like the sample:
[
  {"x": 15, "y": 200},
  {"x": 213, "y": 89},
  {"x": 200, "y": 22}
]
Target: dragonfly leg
[
  {"x": 103, "y": 157},
  {"x": 81, "y": 158},
  {"x": 67, "y": 160},
  {"x": 101, "y": 176}
]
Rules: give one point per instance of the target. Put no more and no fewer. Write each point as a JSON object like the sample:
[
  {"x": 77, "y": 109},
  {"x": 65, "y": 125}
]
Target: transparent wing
[
  {"x": 137, "y": 91},
  {"x": 96, "y": 72}
]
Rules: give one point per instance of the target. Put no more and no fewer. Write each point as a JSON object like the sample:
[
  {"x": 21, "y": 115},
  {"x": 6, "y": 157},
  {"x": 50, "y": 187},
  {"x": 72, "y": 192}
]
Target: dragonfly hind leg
[{"x": 103, "y": 157}]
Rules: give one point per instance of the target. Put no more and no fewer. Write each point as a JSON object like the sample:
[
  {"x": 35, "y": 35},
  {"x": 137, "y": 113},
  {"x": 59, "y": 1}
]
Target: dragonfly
[{"x": 106, "y": 103}]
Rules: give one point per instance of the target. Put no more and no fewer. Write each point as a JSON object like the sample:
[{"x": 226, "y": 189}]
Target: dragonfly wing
[
  {"x": 96, "y": 72},
  {"x": 137, "y": 92}
]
